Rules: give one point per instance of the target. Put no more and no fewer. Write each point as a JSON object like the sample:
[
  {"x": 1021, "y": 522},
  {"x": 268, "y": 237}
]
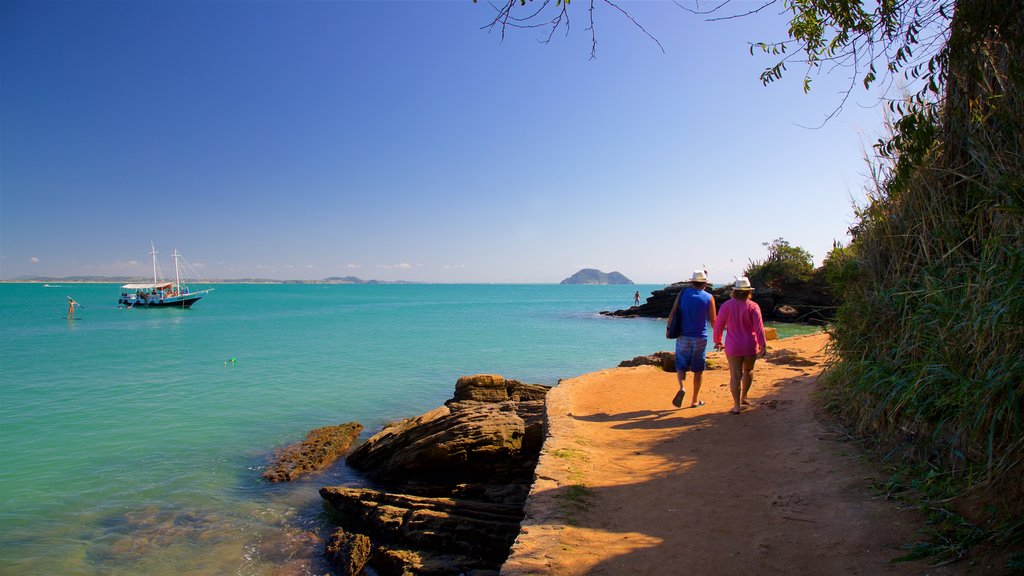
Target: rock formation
[
  {"x": 664, "y": 360},
  {"x": 806, "y": 303},
  {"x": 667, "y": 361},
  {"x": 658, "y": 304},
  {"x": 452, "y": 482},
  {"x": 321, "y": 447},
  {"x": 347, "y": 553}
]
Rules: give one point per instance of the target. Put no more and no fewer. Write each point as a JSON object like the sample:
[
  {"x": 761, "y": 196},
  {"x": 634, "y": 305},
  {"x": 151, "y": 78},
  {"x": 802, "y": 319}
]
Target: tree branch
[{"x": 635, "y": 23}]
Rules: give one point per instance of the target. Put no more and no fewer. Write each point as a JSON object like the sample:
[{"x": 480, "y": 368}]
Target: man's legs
[
  {"x": 683, "y": 360},
  {"x": 698, "y": 362},
  {"x": 681, "y": 377},
  {"x": 697, "y": 377}
]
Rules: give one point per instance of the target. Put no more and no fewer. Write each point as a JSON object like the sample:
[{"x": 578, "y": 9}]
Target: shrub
[
  {"x": 785, "y": 264},
  {"x": 839, "y": 269}
]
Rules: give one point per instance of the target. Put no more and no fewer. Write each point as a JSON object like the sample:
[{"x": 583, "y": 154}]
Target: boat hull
[{"x": 177, "y": 302}]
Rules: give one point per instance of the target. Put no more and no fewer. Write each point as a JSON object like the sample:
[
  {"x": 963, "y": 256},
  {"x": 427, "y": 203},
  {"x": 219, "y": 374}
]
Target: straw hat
[
  {"x": 742, "y": 283},
  {"x": 698, "y": 276}
]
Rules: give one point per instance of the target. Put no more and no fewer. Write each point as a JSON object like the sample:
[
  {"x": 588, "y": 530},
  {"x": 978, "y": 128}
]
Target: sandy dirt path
[{"x": 629, "y": 484}]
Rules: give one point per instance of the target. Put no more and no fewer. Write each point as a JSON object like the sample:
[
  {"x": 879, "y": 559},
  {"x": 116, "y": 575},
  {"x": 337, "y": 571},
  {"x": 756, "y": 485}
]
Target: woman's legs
[
  {"x": 748, "y": 377},
  {"x": 741, "y": 376},
  {"x": 735, "y": 375}
]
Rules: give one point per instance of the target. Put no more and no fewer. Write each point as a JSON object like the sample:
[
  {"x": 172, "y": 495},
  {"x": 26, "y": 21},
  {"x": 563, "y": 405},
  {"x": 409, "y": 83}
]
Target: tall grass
[{"x": 928, "y": 344}]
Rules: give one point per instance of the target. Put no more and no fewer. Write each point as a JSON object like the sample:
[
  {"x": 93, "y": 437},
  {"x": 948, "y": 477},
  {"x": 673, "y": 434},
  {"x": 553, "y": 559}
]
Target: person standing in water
[
  {"x": 71, "y": 308},
  {"x": 691, "y": 313},
  {"x": 740, "y": 318}
]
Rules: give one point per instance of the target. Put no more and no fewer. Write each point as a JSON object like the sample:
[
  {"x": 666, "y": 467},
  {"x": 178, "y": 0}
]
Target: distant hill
[
  {"x": 354, "y": 280},
  {"x": 592, "y": 276}
]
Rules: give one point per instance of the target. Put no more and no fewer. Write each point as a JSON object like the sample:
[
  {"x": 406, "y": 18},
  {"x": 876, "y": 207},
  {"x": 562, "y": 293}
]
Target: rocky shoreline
[
  {"x": 449, "y": 487},
  {"x": 805, "y": 303}
]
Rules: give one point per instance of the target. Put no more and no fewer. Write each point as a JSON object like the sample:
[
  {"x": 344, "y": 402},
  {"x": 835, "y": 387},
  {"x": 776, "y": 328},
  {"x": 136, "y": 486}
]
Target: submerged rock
[{"x": 321, "y": 447}]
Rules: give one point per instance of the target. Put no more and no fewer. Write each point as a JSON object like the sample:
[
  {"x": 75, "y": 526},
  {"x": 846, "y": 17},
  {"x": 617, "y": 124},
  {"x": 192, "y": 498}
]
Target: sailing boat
[{"x": 161, "y": 293}]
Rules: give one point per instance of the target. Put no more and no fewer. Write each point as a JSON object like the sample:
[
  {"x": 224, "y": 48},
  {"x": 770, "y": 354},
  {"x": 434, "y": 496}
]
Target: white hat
[
  {"x": 742, "y": 283},
  {"x": 698, "y": 276}
]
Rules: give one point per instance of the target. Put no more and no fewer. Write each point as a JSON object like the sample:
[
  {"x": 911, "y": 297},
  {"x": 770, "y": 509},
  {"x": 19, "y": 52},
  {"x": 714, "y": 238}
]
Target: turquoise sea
[{"x": 130, "y": 445}]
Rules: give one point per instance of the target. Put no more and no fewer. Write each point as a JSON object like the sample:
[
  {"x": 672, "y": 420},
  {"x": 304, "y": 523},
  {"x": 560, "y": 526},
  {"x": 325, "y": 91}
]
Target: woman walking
[{"x": 740, "y": 318}]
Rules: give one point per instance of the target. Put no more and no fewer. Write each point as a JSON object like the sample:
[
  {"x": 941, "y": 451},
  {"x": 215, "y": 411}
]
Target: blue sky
[{"x": 399, "y": 140}]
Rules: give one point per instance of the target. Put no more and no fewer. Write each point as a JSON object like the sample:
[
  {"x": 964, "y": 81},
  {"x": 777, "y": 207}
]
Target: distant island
[{"x": 592, "y": 276}]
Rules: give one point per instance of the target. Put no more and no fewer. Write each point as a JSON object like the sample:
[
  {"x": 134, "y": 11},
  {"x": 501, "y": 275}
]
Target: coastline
[
  {"x": 628, "y": 484},
  {"x": 81, "y": 410}
]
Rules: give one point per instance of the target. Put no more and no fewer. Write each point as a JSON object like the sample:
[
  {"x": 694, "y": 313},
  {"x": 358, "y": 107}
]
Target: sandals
[{"x": 678, "y": 400}]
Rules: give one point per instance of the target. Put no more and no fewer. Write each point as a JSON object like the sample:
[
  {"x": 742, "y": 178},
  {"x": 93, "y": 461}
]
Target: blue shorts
[{"x": 690, "y": 354}]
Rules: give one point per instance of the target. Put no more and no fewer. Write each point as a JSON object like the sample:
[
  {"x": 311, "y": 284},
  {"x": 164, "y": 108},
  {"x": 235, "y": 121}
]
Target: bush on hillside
[
  {"x": 838, "y": 269},
  {"x": 785, "y": 265}
]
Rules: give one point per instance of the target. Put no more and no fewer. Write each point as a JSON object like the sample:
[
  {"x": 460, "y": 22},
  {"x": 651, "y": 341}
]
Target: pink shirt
[{"x": 741, "y": 319}]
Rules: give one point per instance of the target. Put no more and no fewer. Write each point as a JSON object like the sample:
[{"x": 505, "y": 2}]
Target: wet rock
[
  {"x": 321, "y": 447},
  {"x": 347, "y": 552},
  {"x": 288, "y": 546}
]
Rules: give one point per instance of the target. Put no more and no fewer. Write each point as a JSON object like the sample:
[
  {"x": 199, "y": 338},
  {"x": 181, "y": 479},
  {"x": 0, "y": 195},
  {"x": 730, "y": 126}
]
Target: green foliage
[
  {"x": 839, "y": 268},
  {"x": 785, "y": 264},
  {"x": 876, "y": 40},
  {"x": 950, "y": 537},
  {"x": 926, "y": 344}
]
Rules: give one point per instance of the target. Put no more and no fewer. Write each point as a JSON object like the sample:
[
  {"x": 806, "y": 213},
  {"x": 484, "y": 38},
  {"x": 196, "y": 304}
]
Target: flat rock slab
[{"x": 321, "y": 447}]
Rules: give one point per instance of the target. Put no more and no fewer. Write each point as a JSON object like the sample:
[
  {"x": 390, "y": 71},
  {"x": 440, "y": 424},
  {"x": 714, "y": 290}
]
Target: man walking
[{"x": 692, "y": 311}]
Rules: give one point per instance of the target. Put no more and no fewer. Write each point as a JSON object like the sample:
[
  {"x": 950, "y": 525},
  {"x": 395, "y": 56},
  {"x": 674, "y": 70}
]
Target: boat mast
[
  {"x": 177, "y": 282},
  {"x": 152, "y": 251}
]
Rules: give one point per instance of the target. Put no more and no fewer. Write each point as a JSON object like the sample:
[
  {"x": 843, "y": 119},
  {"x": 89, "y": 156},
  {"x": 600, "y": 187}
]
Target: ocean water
[{"x": 129, "y": 444}]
